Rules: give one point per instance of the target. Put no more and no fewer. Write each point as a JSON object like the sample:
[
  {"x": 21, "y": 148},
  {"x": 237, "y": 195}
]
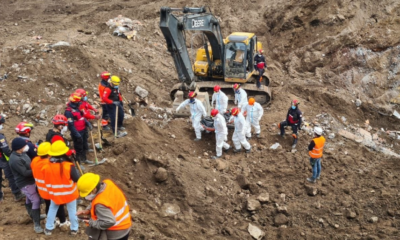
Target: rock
[
  {"x": 243, "y": 182},
  {"x": 255, "y": 232},
  {"x": 312, "y": 191},
  {"x": 170, "y": 210},
  {"x": 336, "y": 226},
  {"x": 282, "y": 209},
  {"x": 276, "y": 146},
  {"x": 358, "y": 102},
  {"x": 253, "y": 205},
  {"x": 331, "y": 136},
  {"x": 172, "y": 136},
  {"x": 205, "y": 154},
  {"x": 141, "y": 92},
  {"x": 26, "y": 108},
  {"x": 317, "y": 205},
  {"x": 221, "y": 165},
  {"x": 373, "y": 219},
  {"x": 350, "y": 214},
  {"x": 206, "y": 163},
  {"x": 61, "y": 44},
  {"x": 161, "y": 175},
  {"x": 227, "y": 157},
  {"x": 254, "y": 189},
  {"x": 280, "y": 219},
  {"x": 263, "y": 198},
  {"x": 321, "y": 220},
  {"x": 118, "y": 149}
]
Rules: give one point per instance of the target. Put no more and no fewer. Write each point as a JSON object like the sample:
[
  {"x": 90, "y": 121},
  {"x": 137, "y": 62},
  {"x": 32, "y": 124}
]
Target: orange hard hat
[
  {"x": 75, "y": 97},
  {"x": 60, "y": 120},
  {"x": 235, "y": 111},
  {"x": 252, "y": 101}
]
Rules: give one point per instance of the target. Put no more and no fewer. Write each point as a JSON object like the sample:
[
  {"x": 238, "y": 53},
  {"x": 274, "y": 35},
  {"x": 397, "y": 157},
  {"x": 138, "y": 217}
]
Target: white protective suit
[
  {"x": 239, "y": 135},
  {"x": 241, "y": 98},
  {"x": 254, "y": 114},
  {"x": 196, "y": 110},
  {"x": 221, "y": 134},
  {"x": 221, "y": 101}
]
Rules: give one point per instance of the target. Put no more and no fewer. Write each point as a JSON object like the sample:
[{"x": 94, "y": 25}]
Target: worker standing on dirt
[
  {"x": 316, "y": 148},
  {"x": 239, "y": 135},
  {"x": 260, "y": 64},
  {"x": 77, "y": 125},
  {"x": 253, "y": 117},
  {"x": 24, "y": 129},
  {"x": 60, "y": 123},
  {"x": 5, "y": 153},
  {"x": 41, "y": 160},
  {"x": 112, "y": 97},
  {"x": 85, "y": 107},
  {"x": 60, "y": 176},
  {"x": 20, "y": 164},
  {"x": 109, "y": 209},
  {"x": 220, "y": 99},
  {"x": 197, "y": 110},
  {"x": 221, "y": 133},
  {"x": 105, "y": 78},
  {"x": 240, "y": 95},
  {"x": 293, "y": 119}
]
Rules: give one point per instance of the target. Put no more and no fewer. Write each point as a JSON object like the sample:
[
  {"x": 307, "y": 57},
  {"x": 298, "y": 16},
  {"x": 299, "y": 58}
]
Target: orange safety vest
[
  {"x": 316, "y": 152},
  {"x": 36, "y": 165},
  {"x": 113, "y": 198},
  {"x": 59, "y": 184}
]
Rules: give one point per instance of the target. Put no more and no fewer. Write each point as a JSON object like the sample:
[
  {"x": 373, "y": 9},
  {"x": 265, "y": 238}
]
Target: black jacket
[
  {"x": 295, "y": 114},
  {"x": 20, "y": 165},
  {"x": 4, "y": 150},
  {"x": 51, "y": 134}
]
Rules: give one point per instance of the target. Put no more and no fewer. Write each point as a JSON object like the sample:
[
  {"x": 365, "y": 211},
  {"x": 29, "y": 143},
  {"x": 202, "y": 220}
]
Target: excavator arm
[{"x": 193, "y": 19}]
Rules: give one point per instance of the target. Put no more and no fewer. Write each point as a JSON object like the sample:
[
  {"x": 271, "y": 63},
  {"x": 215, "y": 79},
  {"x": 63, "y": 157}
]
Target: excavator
[{"x": 218, "y": 62}]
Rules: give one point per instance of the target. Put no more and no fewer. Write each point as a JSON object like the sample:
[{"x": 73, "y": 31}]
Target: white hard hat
[{"x": 318, "y": 130}]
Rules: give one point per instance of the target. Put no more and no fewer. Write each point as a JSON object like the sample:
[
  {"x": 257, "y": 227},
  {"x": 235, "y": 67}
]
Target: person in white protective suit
[
  {"x": 196, "y": 110},
  {"x": 253, "y": 117},
  {"x": 240, "y": 95},
  {"x": 220, "y": 99},
  {"x": 239, "y": 135},
  {"x": 221, "y": 133}
]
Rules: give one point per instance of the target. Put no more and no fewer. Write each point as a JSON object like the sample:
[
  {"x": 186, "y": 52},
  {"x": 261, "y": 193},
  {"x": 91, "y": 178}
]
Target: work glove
[{"x": 79, "y": 140}]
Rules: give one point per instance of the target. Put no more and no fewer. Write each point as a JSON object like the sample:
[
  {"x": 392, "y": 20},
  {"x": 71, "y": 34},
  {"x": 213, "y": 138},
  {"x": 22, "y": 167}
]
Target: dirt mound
[{"x": 328, "y": 54}]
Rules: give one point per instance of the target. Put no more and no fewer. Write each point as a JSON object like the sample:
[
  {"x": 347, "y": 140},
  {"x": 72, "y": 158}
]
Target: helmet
[
  {"x": 192, "y": 94},
  {"x": 58, "y": 148},
  {"x": 60, "y": 120},
  {"x": 235, "y": 111},
  {"x": 57, "y": 138},
  {"x": 105, "y": 75},
  {"x": 115, "y": 80},
  {"x": 2, "y": 119},
  {"x": 252, "y": 101},
  {"x": 43, "y": 148},
  {"x": 104, "y": 123},
  {"x": 295, "y": 102},
  {"x": 214, "y": 112},
  {"x": 75, "y": 97},
  {"x": 217, "y": 88},
  {"x": 261, "y": 51},
  {"x": 87, "y": 182},
  {"x": 236, "y": 86},
  {"x": 24, "y": 128},
  {"x": 318, "y": 131},
  {"x": 81, "y": 92}
]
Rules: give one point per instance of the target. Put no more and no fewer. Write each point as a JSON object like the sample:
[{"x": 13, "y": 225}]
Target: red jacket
[{"x": 85, "y": 107}]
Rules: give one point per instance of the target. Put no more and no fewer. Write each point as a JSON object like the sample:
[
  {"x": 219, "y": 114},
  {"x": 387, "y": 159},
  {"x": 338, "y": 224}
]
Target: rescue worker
[
  {"x": 221, "y": 133},
  {"x": 239, "y": 135},
  {"x": 293, "y": 119},
  {"x": 105, "y": 78},
  {"x": 77, "y": 125},
  {"x": 220, "y": 99},
  {"x": 24, "y": 129},
  {"x": 41, "y": 160},
  {"x": 260, "y": 64},
  {"x": 85, "y": 107},
  {"x": 20, "y": 164},
  {"x": 240, "y": 95},
  {"x": 5, "y": 153},
  {"x": 109, "y": 210},
  {"x": 316, "y": 148},
  {"x": 60, "y": 123},
  {"x": 60, "y": 176},
  {"x": 253, "y": 117},
  {"x": 196, "y": 110},
  {"x": 112, "y": 97}
]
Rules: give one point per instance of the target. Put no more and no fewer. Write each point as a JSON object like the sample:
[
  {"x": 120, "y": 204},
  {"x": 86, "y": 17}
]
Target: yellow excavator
[{"x": 219, "y": 61}]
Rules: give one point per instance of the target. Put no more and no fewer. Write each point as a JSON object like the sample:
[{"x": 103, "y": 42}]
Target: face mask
[
  {"x": 237, "y": 91},
  {"x": 293, "y": 107},
  {"x": 192, "y": 100},
  {"x": 90, "y": 197},
  {"x": 85, "y": 98},
  {"x": 1, "y": 126},
  {"x": 26, "y": 149},
  {"x": 64, "y": 130},
  {"x": 116, "y": 87}
]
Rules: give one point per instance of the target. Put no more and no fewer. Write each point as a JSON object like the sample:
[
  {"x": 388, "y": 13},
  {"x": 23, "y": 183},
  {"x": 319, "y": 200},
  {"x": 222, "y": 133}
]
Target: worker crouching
[{"x": 109, "y": 211}]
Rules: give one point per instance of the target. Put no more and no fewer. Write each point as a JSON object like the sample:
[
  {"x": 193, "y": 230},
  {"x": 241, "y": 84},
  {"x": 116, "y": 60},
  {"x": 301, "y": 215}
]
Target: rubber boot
[
  {"x": 29, "y": 209},
  {"x": 36, "y": 220},
  {"x": 294, "y": 140}
]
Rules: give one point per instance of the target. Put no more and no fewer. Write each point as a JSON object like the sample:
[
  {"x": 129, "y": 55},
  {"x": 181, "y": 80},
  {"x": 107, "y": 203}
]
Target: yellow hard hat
[
  {"x": 87, "y": 182},
  {"x": 115, "y": 80},
  {"x": 43, "y": 149},
  {"x": 58, "y": 148}
]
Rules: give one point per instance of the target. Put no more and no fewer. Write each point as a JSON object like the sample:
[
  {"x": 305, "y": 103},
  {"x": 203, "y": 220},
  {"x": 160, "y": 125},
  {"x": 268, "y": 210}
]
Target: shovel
[
  {"x": 77, "y": 164},
  {"x": 130, "y": 106},
  {"x": 95, "y": 153}
]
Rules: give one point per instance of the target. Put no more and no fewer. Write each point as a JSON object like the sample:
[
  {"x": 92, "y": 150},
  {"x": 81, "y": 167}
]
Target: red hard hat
[
  {"x": 217, "y": 88},
  {"x": 235, "y": 111},
  {"x": 261, "y": 51},
  {"x": 192, "y": 94},
  {"x": 75, "y": 97},
  {"x": 295, "y": 102},
  {"x": 105, "y": 75},
  {"x": 214, "y": 112},
  {"x": 24, "y": 128},
  {"x": 236, "y": 86},
  {"x": 81, "y": 92},
  {"x": 57, "y": 138},
  {"x": 60, "y": 120}
]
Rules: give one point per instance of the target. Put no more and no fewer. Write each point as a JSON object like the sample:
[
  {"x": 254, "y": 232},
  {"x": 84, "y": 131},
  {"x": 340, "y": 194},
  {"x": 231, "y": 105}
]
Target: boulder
[
  {"x": 141, "y": 92},
  {"x": 170, "y": 210},
  {"x": 255, "y": 232},
  {"x": 263, "y": 198},
  {"x": 161, "y": 175},
  {"x": 312, "y": 191},
  {"x": 253, "y": 205}
]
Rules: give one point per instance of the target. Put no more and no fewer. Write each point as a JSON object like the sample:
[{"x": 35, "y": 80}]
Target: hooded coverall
[
  {"x": 240, "y": 97},
  {"x": 196, "y": 110},
  {"x": 221, "y": 134},
  {"x": 221, "y": 101},
  {"x": 239, "y": 137},
  {"x": 254, "y": 114}
]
